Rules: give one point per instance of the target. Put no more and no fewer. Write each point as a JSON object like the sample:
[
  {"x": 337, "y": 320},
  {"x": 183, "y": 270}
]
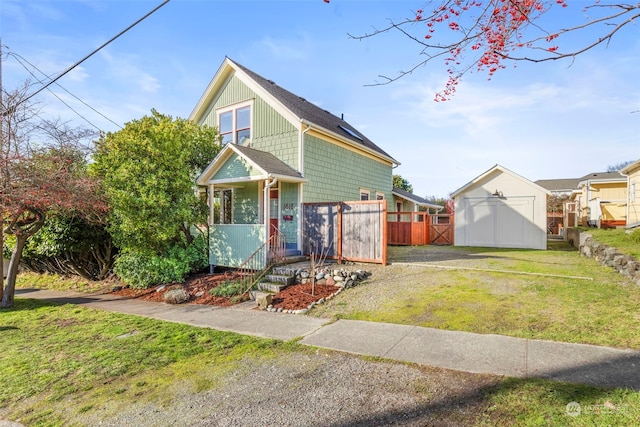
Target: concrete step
[
  {"x": 286, "y": 279},
  {"x": 271, "y": 287},
  {"x": 284, "y": 270}
]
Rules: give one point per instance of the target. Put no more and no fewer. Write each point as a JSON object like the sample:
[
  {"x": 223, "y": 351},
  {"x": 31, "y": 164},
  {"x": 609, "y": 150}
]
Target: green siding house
[{"x": 280, "y": 151}]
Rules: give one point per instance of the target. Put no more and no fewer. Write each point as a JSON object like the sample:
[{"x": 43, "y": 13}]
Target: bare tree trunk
[
  {"x": 1, "y": 257},
  {"x": 12, "y": 274}
]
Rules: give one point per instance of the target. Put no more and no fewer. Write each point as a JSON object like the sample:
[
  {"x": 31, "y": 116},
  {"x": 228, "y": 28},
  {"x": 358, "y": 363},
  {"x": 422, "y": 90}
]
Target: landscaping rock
[
  {"x": 176, "y": 296},
  {"x": 264, "y": 300},
  {"x": 626, "y": 265}
]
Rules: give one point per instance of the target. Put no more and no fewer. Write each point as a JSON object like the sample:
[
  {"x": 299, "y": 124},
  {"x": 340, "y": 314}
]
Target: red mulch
[{"x": 293, "y": 297}]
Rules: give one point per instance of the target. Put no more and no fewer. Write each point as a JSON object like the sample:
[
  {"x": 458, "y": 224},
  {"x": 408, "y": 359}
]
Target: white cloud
[
  {"x": 124, "y": 70},
  {"x": 285, "y": 49}
]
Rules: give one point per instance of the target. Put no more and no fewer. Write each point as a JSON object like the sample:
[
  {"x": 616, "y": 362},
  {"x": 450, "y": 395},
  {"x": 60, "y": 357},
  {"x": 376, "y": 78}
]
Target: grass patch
[
  {"x": 228, "y": 289},
  {"x": 61, "y": 283},
  {"x": 535, "y": 402},
  {"x": 58, "y": 361},
  {"x": 67, "y": 365},
  {"x": 619, "y": 239},
  {"x": 601, "y": 311}
]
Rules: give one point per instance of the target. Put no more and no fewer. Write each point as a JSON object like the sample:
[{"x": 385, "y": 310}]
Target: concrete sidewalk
[{"x": 463, "y": 351}]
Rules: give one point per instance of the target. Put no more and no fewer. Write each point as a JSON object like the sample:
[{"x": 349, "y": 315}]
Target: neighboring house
[
  {"x": 561, "y": 211},
  {"x": 409, "y": 202},
  {"x": 559, "y": 187},
  {"x": 280, "y": 152},
  {"x": 501, "y": 209},
  {"x": 632, "y": 172},
  {"x": 602, "y": 199}
]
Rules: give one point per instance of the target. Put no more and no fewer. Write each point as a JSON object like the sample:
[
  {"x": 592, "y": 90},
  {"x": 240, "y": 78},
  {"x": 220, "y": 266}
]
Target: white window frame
[
  {"x": 223, "y": 210},
  {"x": 379, "y": 195},
  {"x": 234, "y": 128},
  {"x": 364, "y": 191}
]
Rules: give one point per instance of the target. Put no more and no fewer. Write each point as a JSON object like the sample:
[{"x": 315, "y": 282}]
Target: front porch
[
  {"x": 253, "y": 200},
  {"x": 233, "y": 245}
]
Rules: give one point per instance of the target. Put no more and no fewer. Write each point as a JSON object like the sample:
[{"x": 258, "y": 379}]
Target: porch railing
[{"x": 271, "y": 253}]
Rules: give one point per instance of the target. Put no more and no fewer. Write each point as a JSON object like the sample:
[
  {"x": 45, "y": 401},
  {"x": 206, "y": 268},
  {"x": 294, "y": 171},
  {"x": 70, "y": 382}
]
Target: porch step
[
  {"x": 286, "y": 278},
  {"x": 271, "y": 287},
  {"x": 284, "y": 270},
  {"x": 294, "y": 259}
]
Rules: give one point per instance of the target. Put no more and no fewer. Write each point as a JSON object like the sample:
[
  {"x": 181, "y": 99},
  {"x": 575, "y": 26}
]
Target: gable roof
[
  {"x": 268, "y": 164},
  {"x": 302, "y": 110},
  {"x": 563, "y": 184},
  {"x": 603, "y": 177},
  {"x": 500, "y": 169},
  {"x": 630, "y": 168},
  {"x": 403, "y": 194}
]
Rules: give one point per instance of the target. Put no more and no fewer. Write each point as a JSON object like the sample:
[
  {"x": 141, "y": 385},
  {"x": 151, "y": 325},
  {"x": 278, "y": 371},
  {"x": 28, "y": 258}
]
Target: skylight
[{"x": 350, "y": 132}]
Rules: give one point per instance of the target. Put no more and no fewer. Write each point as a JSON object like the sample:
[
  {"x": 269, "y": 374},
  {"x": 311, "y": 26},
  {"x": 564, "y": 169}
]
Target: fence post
[
  {"x": 339, "y": 246},
  {"x": 384, "y": 231}
]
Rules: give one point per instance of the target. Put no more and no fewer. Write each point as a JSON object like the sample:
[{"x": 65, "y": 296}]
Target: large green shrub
[{"x": 142, "y": 270}]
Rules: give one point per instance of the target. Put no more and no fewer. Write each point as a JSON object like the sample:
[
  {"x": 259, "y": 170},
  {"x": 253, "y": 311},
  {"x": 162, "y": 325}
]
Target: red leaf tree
[
  {"x": 42, "y": 170},
  {"x": 481, "y": 35}
]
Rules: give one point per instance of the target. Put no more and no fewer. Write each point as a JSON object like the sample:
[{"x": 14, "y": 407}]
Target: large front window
[{"x": 234, "y": 125}]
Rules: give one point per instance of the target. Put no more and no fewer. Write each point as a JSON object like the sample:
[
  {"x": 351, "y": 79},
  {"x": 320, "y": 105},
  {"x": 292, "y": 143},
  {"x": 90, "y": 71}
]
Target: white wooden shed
[{"x": 501, "y": 209}]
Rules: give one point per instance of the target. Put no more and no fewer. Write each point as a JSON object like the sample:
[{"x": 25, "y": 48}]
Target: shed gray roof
[{"x": 312, "y": 113}]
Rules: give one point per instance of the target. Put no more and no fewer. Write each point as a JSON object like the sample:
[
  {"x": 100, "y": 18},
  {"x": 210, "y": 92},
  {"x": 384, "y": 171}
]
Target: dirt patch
[{"x": 294, "y": 297}]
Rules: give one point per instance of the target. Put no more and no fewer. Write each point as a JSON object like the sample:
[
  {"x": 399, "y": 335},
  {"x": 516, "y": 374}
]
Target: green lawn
[
  {"x": 561, "y": 296},
  {"x": 57, "y": 361},
  {"x": 60, "y": 363},
  {"x": 617, "y": 238}
]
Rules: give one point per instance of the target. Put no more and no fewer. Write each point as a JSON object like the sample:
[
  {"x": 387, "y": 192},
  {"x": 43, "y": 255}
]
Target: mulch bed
[{"x": 294, "y": 297}]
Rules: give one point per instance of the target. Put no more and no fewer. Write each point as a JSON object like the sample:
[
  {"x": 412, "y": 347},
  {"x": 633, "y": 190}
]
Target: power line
[
  {"x": 88, "y": 56},
  {"x": 20, "y": 58}
]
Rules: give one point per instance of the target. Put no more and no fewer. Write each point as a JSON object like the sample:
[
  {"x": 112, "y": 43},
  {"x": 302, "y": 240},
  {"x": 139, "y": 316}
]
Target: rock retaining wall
[{"x": 624, "y": 264}]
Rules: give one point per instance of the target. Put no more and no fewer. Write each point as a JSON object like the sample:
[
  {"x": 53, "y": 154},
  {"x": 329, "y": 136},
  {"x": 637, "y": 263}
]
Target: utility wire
[
  {"x": 87, "y": 57},
  {"x": 20, "y": 60}
]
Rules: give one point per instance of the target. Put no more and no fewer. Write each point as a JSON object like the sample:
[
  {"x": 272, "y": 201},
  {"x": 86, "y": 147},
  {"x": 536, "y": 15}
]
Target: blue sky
[{"x": 542, "y": 121}]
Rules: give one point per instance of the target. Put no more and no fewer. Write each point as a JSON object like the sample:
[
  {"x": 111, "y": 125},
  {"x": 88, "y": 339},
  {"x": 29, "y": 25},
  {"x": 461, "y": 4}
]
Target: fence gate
[
  {"x": 419, "y": 228},
  {"x": 354, "y": 231},
  {"x": 441, "y": 229}
]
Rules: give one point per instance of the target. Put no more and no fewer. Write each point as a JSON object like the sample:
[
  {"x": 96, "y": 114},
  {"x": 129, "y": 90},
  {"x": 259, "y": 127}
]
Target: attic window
[
  {"x": 234, "y": 124},
  {"x": 350, "y": 132}
]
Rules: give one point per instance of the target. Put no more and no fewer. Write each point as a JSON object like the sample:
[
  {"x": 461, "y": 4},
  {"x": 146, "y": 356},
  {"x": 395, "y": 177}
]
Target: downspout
[{"x": 301, "y": 186}]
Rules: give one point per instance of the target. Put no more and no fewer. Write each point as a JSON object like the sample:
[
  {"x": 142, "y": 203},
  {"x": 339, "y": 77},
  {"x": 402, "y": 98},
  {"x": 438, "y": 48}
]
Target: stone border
[{"x": 609, "y": 256}]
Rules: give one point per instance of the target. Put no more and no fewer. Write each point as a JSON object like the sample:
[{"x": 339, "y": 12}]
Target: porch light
[{"x": 498, "y": 194}]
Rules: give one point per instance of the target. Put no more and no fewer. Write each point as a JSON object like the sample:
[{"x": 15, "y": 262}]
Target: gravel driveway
[{"x": 317, "y": 388}]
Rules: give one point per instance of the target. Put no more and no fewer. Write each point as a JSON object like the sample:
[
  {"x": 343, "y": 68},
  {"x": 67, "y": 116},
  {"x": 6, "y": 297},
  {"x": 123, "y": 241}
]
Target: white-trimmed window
[
  {"x": 364, "y": 194},
  {"x": 379, "y": 196},
  {"x": 226, "y": 206},
  {"x": 234, "y": 124}
]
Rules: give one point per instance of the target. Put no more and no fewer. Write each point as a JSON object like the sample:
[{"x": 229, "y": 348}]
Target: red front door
[{"x": 273, "y": 211}]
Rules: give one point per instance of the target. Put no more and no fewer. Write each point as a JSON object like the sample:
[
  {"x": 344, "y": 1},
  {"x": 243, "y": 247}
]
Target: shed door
[{"x": 504, "y": 223}]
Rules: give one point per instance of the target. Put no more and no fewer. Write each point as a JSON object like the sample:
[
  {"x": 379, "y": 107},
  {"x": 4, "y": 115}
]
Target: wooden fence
[
  {"x": 419, "y": 228},
  {"x": 353, "y": 231}
]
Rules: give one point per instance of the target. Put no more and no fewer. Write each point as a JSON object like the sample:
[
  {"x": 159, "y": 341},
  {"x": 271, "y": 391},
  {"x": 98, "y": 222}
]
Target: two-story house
[{"x": 279, "y": 152}]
